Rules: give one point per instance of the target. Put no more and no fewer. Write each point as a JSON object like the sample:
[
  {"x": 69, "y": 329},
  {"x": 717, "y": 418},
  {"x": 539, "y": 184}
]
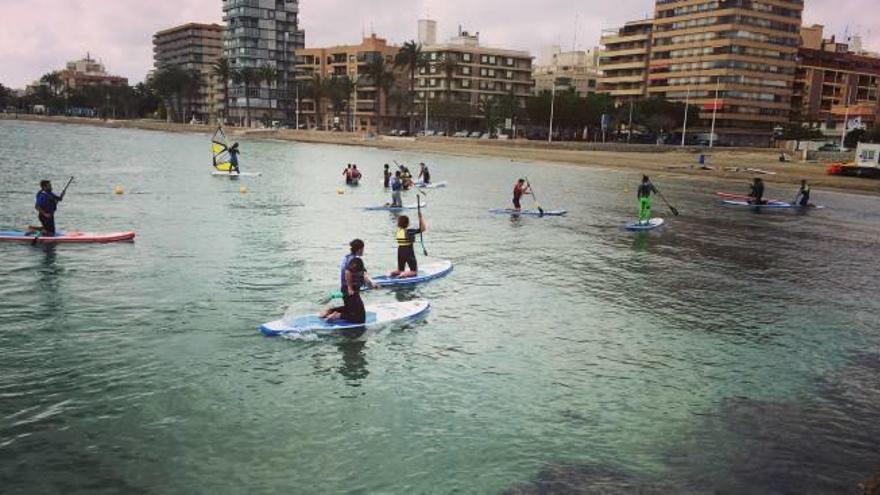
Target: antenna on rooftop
[{"x": 575, "y": 37}]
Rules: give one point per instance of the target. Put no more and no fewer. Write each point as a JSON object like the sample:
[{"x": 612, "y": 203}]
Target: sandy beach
[{"x": 659, "y": 161}]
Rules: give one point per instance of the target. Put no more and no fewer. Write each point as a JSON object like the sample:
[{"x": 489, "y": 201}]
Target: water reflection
[{"x": 354, "y": 363}]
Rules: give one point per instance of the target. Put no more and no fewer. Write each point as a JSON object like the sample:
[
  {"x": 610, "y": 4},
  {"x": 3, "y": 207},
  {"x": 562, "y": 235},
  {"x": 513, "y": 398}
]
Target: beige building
[
  {"x": 358, "y": 112},
  {"x": 577, "y": 70},
  {"x": 474, "y": 74},
  {"x": 735, "y": 60},
  {"x": 623, "y": 61},
  {"x": 194, "y": 47},
  {"x": 89, "y": 72}
]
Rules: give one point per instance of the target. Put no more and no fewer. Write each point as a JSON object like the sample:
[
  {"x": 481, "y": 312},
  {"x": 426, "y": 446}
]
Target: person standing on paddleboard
[
  {"x": 804, "y": 194},
  {"x": 47, "y": 203},
  {"x": 519, "y": 189},
  {"x": 646, "y": 188},
  {"x": 352, "y": 276},
  {"x": 387, "y": 176},
  {"x": 756, "y": 194},
  {"x": 396, "y": 186},
  {"x": 233, "y": 159},
  {"x": 406, "y": 253},
  {"x": 424, "y": 173}
]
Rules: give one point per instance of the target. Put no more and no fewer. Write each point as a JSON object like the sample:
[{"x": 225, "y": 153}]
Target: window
[
  {"x": 484, "y": 59},
  {"x": 466, "y": 83},
  {"x": 509, "y": 61},
  {"x": 492, "y": 60},
  {"x": 466, "y": 71},
  {"x": 483, "y": 72},
  {"x": 433, "y": 55},
  {"x": 510, "y": 74},
  {"x": 466, "y": 57}
]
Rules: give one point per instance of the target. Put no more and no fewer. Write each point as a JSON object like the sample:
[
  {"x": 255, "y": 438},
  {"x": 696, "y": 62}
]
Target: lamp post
[
  {"x": 687, "y": 104},
  {"x": 714, "y": 113},
  {"x": 552, "y": 109}
]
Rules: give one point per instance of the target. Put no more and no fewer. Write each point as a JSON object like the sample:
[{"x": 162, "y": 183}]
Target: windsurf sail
[{"x": 220, "y": 150}]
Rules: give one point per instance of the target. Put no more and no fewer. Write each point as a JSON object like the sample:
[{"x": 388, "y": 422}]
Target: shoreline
[{"x": 664, "y": 161}]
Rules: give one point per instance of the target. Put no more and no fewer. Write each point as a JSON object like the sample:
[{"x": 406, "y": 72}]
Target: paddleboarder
[
  {"x": 519, "y": 189},
  {"x": 352, "y": 276},
  {"x": 233, "y": 158},
  {"x": 355, "y": 175},
  {"x": 406, "y": 254},
  {"x": 756, "y": 194},
  {"x": 424, "y": 173},
  {"x": 396, "y": 186},
  {"x": 646, "y": 188},
  {"x": 46, "y": 205},
  {"x": 804, "y": 194},
  {"x": 387, "y": 176},
  {"x": 346, "y": 172}
]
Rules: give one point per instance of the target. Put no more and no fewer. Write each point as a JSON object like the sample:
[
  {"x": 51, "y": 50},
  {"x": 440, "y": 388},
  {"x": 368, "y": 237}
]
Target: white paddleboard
[{"x": 377, "y": 315}]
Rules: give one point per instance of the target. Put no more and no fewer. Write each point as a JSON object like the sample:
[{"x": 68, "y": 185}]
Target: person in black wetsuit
[
  {"x": 387, "y": 175},
  {"x": 424, "y": 174},
  {"x": 804, "y": 194},
  {"x": 352, "y": 277},
  {"x": 233, "y": 159},
  {"x": 46, "y": 204},
  {"x": 756, "y": 194},
  {"x": 406, "y": 253},
  {"x": 643, "y": 193}
]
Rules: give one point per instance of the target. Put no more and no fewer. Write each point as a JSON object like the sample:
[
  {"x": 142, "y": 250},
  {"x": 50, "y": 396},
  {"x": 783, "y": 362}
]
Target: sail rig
[{"x": 220, "y": 150}]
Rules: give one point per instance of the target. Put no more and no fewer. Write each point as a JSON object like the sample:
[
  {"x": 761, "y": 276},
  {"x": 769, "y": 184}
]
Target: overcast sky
[{"x": 38, "y": 36}]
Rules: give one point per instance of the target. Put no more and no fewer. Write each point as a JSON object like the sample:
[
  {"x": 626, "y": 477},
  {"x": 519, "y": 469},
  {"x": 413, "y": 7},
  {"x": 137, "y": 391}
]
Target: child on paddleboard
[
  {"x": 352, "y": 276},
  {"x": 406, "y": 254},
  {"x": 396, "y": 186}
]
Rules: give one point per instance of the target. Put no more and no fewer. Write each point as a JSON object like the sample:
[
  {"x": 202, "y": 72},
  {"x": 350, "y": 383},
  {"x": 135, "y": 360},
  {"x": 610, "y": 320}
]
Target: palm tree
[
  {"x": 269, "y": 75},
  {"x": 247, "y": 77},
  {"x": 411, "y": 58},
  {"x": 340, "y": 90},
  {"x": 382, "y": 78},
  {"x": 224, "y": 72},
  {"x": 55, "y": 84},
  {"x": 317, "y": 89},
  {"x": 170, "y": 83},
  {"x": 448, "y": 65}
]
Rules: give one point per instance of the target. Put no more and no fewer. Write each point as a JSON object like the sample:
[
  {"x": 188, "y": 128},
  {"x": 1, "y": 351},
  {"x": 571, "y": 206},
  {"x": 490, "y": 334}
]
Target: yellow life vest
[{"x": 402, "y": 239}]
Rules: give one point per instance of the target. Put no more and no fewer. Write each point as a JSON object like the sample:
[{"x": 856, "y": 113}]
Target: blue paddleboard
[
  {"x": 533, "y": 213},
  {"x": 746, "y": 204},
  {"x": 641, "y": 227},
  {"x": 377, "y": 315},
  {"x": 392, "y": 208},
  {"x": 427, "y": 271},
  {"x": 432, "y": 185}
]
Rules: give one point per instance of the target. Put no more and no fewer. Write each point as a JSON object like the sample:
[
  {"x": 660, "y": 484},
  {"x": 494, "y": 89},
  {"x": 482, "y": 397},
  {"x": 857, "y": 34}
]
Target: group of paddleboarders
[
  {"x": 756, "y": 193},
  {"x": 353, "y": 272},
  {"x": 352, "y": 174}
]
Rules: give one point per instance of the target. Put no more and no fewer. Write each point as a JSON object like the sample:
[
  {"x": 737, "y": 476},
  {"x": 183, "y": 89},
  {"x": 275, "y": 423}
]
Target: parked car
[
  {"x": 428, "y": 133},
  {"x": 460, "y": 134},
  {"x": 475, "y": 134},
  {"x": 486, "y": 135},
  {"x": 503, "y": 136},
  {"x": 834, "y": 147}
]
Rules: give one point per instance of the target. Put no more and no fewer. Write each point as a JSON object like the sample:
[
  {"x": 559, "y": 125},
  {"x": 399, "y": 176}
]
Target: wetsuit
[
  {"x": 406, "y": 255},
  {"x": 518, "y": 191},
  {"x": 352, "y": 309},
  {"x": 426, "y": 175},
  {"x": 388, "y": 175},
  {"x": 347, "y": 174},
  {"x": 804, "y": 193},
  {"x": 644, "y": 194},
  {"x": 396, "y": 186},
  {"x": 47, "y": 202},
  {"x": 233, "y": 160},
  {"x": 757, "y": 194}
]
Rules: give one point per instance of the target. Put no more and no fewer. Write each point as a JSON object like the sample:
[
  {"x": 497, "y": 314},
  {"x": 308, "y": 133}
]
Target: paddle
[
  {"x": 673, "y": 209},
  {"x": 537, "y": 205},
  {"x": 63, "y": 192},
  {"x": 421, "y": 235}
]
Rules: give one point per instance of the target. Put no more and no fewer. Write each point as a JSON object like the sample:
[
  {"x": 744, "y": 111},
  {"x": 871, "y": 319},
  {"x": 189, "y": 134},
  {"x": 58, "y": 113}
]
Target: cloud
[{"x": 41, "y": 35}]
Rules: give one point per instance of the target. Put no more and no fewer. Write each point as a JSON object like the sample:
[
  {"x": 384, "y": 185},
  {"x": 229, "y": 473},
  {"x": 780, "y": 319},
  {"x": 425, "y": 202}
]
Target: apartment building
[
  {"x": 735, "y": 59},
  {"x": 194, "y": 47},
  {"x": 263, "y": 33},
  {"x": 466, "y": 72},
  {"x": 834, "y": 84},
  {"x": 576, "y": 71},
  {"x": 623, "y": 61},
  {"x": 358, "y": 111},
  {"x": 88, "y": 72}
]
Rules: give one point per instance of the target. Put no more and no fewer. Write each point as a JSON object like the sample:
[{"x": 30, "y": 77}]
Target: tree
[
  {"x": 169, "y": 84},
  {"x": 411, "y": 58},
  {"x": 5, "y": 97},
  {"x": 382, "y": 78},
  {"x": 797, "y": 132},
  {"x": 339, "y": 91},
  {"x": 318, "y": 89},
  {"x": 224, "y": 72},
  {"x": 448, "y": 66},
  {"x": 247, "y": 77}
]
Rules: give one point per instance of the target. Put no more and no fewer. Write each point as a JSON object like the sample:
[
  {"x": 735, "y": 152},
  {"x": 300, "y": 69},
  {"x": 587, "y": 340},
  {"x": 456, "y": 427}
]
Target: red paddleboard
[
  {"x": 65, "y": 237},
  {"x": 743, "y": 197}
]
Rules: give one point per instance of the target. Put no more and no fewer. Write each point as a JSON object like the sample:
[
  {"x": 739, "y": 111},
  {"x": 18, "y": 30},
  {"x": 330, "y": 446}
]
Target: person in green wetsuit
[{"x": 644, "y": 194}]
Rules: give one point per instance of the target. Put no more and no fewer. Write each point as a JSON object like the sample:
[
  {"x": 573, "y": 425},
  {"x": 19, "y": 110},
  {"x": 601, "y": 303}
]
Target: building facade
[
  {"x": 735, "y": 59},
  {"x": 358, "y": 110},
  {"x": 262, "y": 34},
  {"x": 194, "y": 48},
  {"x": 834, "y": 84},
  {"x": 462, "y": 71},
  {"x": 623, "y": 61},
  {"x": 88, "y": 72},
  {"x": 577, "y": 71}
]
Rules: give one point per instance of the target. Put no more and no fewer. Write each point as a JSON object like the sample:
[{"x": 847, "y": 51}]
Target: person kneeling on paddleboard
[
  {"x": 424, "y": 174},
  {"x": 47, "y": 203},
  {"x": 233, "y": 159},
  {"x": 406, "y": 254},
  {"x": 352, "y": 276},
  {"x": 519, "y": 189},
  {"x": 756, "y": 194},
  {"x": 804, "y": 194},
  {"x": 646, "y": 188},
  {"x": 396, "y": 186}
]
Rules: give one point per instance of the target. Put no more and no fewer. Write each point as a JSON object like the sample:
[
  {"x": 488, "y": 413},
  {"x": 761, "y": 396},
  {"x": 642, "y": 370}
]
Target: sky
[{"x": 39, "y": 36}]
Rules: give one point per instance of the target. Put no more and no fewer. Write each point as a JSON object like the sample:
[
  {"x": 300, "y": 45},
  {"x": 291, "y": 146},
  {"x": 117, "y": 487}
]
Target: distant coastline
[{"x": 638, "y": 159}]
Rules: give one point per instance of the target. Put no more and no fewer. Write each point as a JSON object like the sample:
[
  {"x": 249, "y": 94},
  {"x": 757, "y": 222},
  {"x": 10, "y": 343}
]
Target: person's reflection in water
[
  {"x": 354, "y": 364},
  {"x": 47, "y": 280}
]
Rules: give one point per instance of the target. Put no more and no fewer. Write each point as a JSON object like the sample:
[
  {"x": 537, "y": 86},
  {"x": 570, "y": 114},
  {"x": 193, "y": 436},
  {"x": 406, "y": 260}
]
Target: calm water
[{"x": 729, "y": 352}]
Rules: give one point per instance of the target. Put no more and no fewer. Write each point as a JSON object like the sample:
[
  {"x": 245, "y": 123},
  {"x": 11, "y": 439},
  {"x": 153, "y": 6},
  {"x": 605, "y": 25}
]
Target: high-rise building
[
  {"x": 427, "y": 31},
  {"x": 835, "y": 84},
  {"x": 735, "y": 59},
  {"x": 262, "y": 34},
  {"x": 465, "y": 72},
  {"x": 194, "y": 47},
  {"x": 357, "y": 111},
  {"x": 575, "y": 70},
  {"x": 623, "y": 61}
]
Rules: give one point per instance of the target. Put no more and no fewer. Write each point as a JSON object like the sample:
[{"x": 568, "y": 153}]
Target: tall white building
[
  {"x": 577, "y": 70},
  {"x": 427, "y": 31},
  {"x": 263, "y": 33}
]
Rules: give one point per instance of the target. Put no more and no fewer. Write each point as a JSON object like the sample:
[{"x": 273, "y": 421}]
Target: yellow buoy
[
  {"x": 340, "y": 191},
  {"x": 118, "y": 190},
  {"x": 242, "y": 189}
]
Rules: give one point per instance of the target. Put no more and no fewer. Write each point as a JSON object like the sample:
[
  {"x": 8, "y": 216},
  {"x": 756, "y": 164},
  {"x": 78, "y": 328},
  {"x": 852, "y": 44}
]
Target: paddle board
[
  {"x": 742, "y": 197},
  {"x": 377, "y": 315},
  {"x": 393, "y": 208},
  {"x": 641, "y": 227},
  {"x": 432, "y": 185},
  {"x": 746, "y": 204},
  {"x": 220, "y": 173},
  {"x": 427, "y": 271},
  {"x": 534, "y": 213},
  {"x": 66, "y": 237}
]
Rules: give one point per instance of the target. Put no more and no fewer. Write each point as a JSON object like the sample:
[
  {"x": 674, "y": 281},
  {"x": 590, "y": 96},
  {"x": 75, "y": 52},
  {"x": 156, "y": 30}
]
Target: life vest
[{"x": 402, "y": 239}]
